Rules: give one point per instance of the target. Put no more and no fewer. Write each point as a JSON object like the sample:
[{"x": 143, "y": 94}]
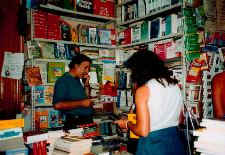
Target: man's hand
[
  {"x": 87, "y": 78},
  {"x": 87, "y": 103}
]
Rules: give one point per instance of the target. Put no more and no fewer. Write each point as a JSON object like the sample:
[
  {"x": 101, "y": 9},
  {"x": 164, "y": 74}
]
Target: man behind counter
[{"x": 70, "y": 96}]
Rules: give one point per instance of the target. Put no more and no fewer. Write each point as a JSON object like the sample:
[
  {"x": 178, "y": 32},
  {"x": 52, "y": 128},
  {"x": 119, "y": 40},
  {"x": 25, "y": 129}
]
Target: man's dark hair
[
  {"x": 78, "y": 59},
  {"x": 146, "y": 65}
]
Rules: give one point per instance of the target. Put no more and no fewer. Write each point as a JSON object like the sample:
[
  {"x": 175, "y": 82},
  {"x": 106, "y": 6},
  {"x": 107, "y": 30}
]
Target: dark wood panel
[{"x": 10, "y": 89}]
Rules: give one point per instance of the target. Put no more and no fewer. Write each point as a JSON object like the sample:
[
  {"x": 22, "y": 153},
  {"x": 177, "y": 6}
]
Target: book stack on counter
[
  {"x": 11, "y": 142},
  {"x": 211, "y": 139},
  {"x": 70, "y": 145}
]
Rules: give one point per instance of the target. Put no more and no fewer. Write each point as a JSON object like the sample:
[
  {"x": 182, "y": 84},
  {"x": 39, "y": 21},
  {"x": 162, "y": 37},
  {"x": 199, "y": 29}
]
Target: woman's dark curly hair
[{"x": 146, "y": 65}]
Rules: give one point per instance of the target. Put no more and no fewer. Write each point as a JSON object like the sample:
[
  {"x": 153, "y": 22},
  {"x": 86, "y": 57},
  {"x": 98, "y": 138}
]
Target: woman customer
[{"x": 158, "y": 103}]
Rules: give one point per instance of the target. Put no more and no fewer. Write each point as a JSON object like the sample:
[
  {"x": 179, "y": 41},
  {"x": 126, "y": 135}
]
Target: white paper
[
  {"x": 93, "y": 78},
  {"x": 13, "y": 65}
]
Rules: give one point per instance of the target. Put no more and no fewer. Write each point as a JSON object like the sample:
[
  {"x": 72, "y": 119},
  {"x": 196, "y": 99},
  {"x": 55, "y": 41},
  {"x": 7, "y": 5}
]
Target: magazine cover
[
  {"x": 83, "y": 33},
  {"x": 60, "y": 51},
  {"x": 33, "y": 76},
  {"x": 33, "y": 50},
  {"x": 55, "y": 70},
  {"x": 47, "y": 50},
  {"x": 53, "y": 117},
  {"x": 92, "y": 36},
  {"x": 48, "y": 94},
  {"x": 39, "y": 95},
  {"x": 104, "y": 36}
]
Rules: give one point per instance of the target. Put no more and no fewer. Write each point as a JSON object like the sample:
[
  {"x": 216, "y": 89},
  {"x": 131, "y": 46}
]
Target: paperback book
[{"x": 55, "y": 70}]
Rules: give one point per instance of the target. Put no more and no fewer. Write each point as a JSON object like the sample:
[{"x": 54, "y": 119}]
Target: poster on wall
[{"x": 13, "y": 65}]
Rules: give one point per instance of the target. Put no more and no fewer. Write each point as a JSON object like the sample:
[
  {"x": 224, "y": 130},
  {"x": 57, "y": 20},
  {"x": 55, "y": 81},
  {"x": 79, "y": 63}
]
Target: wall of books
[
  {"x": 204, "y": 57},
  {"x": 203, "y": 54},
  {"x": 60, "y": 31},
  {"x": 180, "y": 34}
]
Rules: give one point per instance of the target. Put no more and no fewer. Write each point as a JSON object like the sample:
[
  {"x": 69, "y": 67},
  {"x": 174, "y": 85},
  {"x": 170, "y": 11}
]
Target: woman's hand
[{"x": 122, "y": 123}]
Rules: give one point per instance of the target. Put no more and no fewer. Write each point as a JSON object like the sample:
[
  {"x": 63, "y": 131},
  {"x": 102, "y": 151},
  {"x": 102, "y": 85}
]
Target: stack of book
[
  {"x": 70, "y": 145},
  {"x": 11, "y": 137},
  {"x": 211, "y": 139}
]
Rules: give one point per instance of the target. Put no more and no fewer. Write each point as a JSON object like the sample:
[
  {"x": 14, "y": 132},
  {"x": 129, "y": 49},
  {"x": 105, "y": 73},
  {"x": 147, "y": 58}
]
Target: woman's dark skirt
[{"x": 161, "y": 142}]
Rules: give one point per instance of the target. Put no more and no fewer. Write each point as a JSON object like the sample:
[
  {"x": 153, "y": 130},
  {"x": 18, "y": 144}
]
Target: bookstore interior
[{"x": 74, "y": 77}]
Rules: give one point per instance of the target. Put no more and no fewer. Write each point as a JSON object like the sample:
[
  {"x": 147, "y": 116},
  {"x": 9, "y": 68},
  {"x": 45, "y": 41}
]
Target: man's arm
[
  {"x": 67, "y": 105},
  {"x": 59, "y": 102}
]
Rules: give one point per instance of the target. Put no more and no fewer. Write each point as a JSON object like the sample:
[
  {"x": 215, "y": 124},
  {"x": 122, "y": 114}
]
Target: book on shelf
[
  {"x": 155, "y": 28},
  {"x": 125, "y": 37},
  {"x": 171, "y": 24},
  {"x": 33, "y": 50},
  {"x": 74, "y": 28},
  {"x": 53, "y": 117},
  {"x": 39, "y": 95},
  {"x": 107, "y": 54},
  {"x": 60, "y": 51},
  {"x": 136, "y": 33},
  {"x": 92, "y": 53},
  {"x": 141, "y": 8},
  {"x": 41, "y": 119},
  {"x": 55, "y": 70},
  {"x": 92, "y": 35},
  {"x": 43, "y": 70},
  {"x": 47, "y": 50},
  {"x": 104, "y": 8},
  {"x": 104, "y": 36},
  {"x": 33, "y": 76},
  {"x": 108, "y": 72},
  {"x": 99, "y": 71},
  {"x": 145, "y": 30},
  {"x": 83, "y": 33},
  {"x": 48, "y": 94},
  {"x": 129, "y": 11},
  {"x": 85, "y": 6}
]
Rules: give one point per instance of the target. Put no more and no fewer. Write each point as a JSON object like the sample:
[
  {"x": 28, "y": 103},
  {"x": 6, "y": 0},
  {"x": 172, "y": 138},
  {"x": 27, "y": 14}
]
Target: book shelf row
[{"x": 152, "y": 14}]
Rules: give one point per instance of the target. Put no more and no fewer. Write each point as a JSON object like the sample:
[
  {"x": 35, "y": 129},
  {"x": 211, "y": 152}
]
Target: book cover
[
  {"x": 83, "y": 33},
  {"x": 92, "y": 35},
  {"x": 71, "y": 51},
  {"x": 99, "y": 71},
  {"x": 136, "y": 33},
  {"x": 108, "y": 72},
  {"x": 130, "y": 11},
  {"x": 41, "y": 119},
  {"x": 33, "y": 50},
  {"x": 48, "y": 94},
  {"x": 53, "y": 117},
  {"x": 132, "y": 118},
  {"x": 74, "y": 28},
  {"x": 107, "y": 54},
  {"x": 39, "y": 95},
  {"x": 141, "y": 8},
  {"x": 33, "y": 76},
  {"x": 60, "y": 51},
  {"x": 47, "y": 50},
  {"x": 43, "y": 70},
  {"x": 155, "y": 28},
  {"x": 55, "y": 70},
  {"x": 145, "y": 30},
  {"x": 104, "y": 36},
  {"x": 84, "y": 6},
  {"x": 171, "y": 24},
  {"x": 104, "y": 8}
]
